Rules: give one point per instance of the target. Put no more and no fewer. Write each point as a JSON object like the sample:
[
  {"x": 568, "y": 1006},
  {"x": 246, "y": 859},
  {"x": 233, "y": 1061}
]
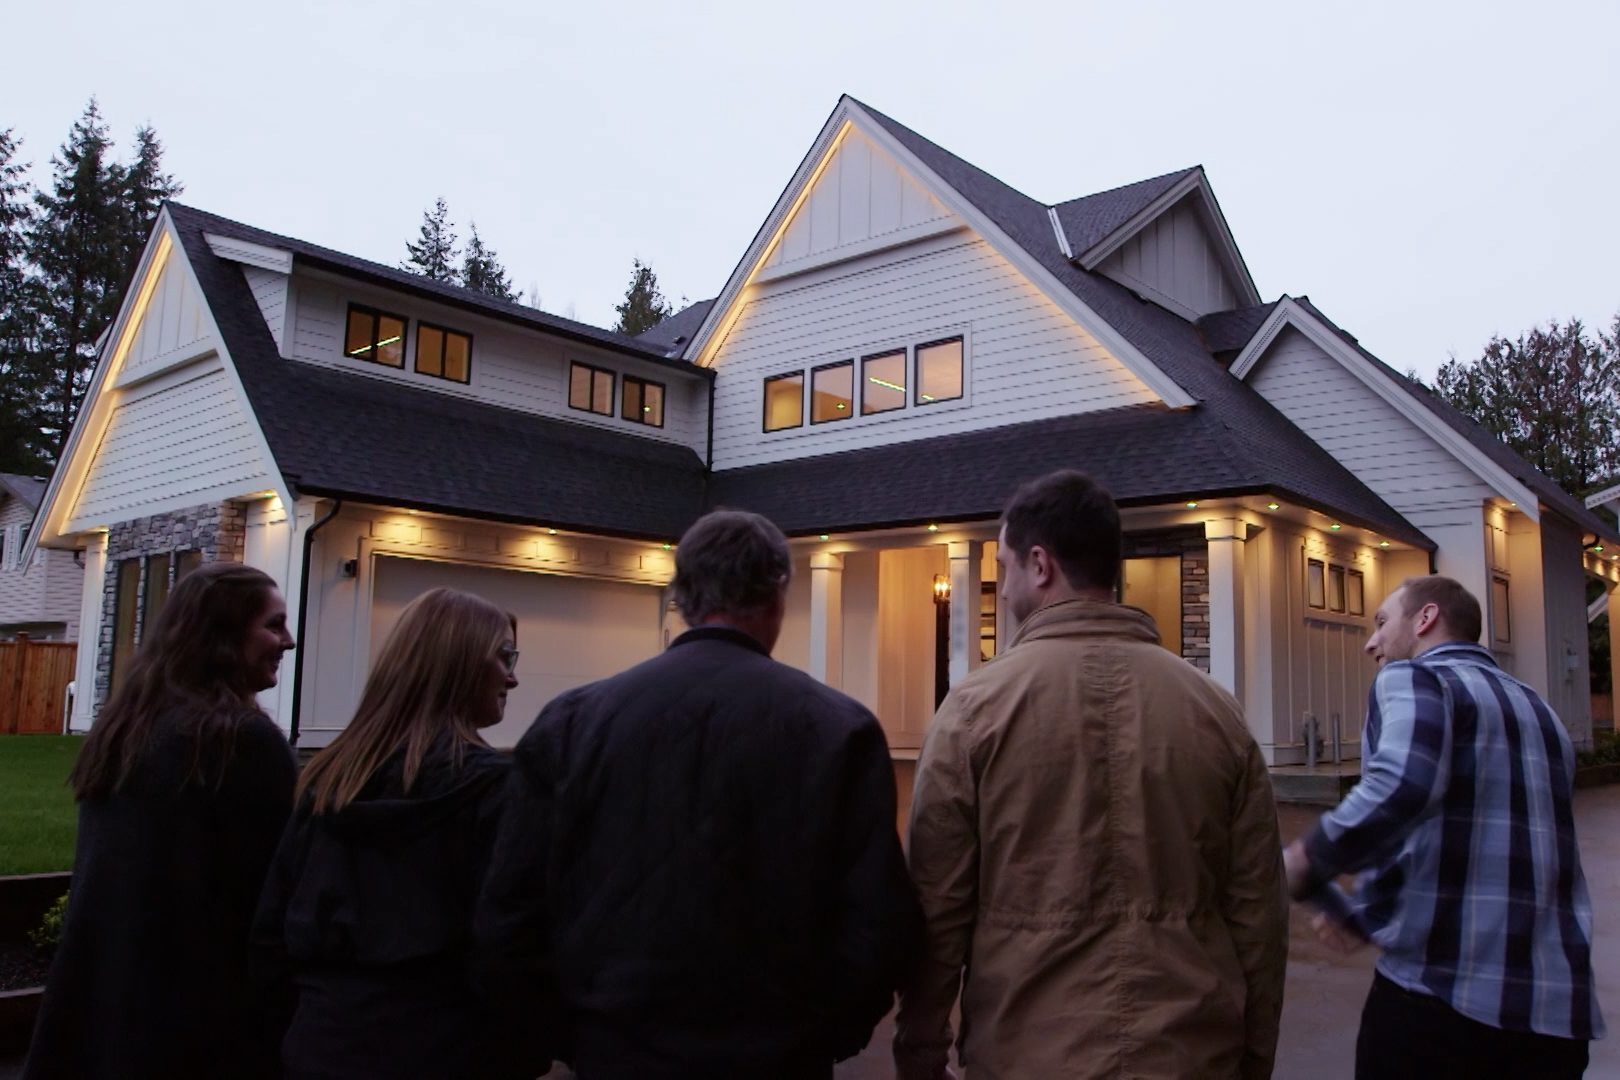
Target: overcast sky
[{"x": 1429, "y": 174}]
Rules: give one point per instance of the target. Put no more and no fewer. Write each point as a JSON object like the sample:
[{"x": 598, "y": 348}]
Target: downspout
[
  {"x": 303, "y": 621},
  {"x": 708, "y": 457}
]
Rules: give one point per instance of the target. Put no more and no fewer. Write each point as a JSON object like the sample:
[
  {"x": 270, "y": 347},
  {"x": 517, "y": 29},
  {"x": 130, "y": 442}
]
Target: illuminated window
[
  {"x": 832, "y": 392},
  {"x": 1335, "y": 595},
  {"x": 643, "y": 401},
  {"x": 939, "y": 371},
  {"x": 590, "y": 389},
  {"x": 1315, "y": 583},
  {"x": 376, "y": 336},
  {"x": 1501, "y": 622},
  {"x": 883, "y": 382},
  {"x": 784, "y": 401},
  {"x": 443, "y": 353}
]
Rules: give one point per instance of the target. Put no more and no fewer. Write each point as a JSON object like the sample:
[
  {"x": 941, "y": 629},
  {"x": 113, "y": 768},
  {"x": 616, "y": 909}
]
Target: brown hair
[
  {"x": 425, "y": 682},
  {"x": 1075, "y": 519},
  {"x": 190, "y": 657},
  {"x": 730, "y": 562},
  {"x": 1459, "y": 608}
]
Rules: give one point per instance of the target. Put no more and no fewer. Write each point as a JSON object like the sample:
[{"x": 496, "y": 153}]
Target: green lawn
[{"x": 38, "y": 819}]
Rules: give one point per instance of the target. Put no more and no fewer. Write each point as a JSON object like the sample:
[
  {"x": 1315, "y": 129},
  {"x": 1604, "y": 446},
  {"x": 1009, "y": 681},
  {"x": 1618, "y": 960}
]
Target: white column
[
  {"x": 965, "y": 559},
  {"x": 266, "y": 546},
  {"x": 827, "y": 618},
  {"x": 1264, "y": 605},
  {"x": 1225, "y": 537},
  {"x": 1614, "y": 651},
  {"x": 92, "y": 604}
]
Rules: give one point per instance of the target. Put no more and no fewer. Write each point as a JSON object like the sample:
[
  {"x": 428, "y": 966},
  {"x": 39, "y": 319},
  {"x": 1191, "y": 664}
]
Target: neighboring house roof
[
  {"x": 28, "y": 490},
  {"x": 1091, "y": 219},
  {"x": 673, "y": 333},
  {"x": 1481, "y": 439},
  {"x": 334, "y": 433},
  {"x": 1144, "y": 455},
  {"x": 443, "y": 292}
]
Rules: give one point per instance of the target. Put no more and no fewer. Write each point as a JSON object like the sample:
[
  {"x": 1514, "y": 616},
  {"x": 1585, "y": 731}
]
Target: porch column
[
  {"x": 1225, "y": 537},
  {"x": 965, "y": 557},
  {"x": 1614, "y": 653},
  {"x": 91, "y": 604},
  {"x": 827, "y": 618}
]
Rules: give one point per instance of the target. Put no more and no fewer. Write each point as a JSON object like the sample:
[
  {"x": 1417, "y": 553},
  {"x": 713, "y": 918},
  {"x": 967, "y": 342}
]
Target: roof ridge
[
  {"x": 964, "y": 162},
  {"x": 1176, "y": 174}
]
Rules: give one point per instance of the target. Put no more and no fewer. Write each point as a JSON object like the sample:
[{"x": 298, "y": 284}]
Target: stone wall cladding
[
  {"x": 1194, "y": 552},
  {"x": 218, "y": 530}
]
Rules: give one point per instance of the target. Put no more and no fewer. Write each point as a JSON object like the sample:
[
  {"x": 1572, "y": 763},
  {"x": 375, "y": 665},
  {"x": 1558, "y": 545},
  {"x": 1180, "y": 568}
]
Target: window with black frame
[
  {"x": 443, "y": 353},
  {"x": 590, "y": 389},
  {"x": 375, "y": 335},
  {"x": 642, "y": 401}
]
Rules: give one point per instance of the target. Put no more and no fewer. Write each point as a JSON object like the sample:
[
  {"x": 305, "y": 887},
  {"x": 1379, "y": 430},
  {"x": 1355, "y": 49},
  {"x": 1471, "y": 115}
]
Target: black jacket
[
  {"x": 151, "y": 979},
  {"x": 699, "y": 856},
  {"x": 367, "y": 917}
]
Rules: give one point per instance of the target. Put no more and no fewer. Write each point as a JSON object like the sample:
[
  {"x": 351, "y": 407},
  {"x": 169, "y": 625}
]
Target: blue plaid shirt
[{"x": 1463, "y": 822}]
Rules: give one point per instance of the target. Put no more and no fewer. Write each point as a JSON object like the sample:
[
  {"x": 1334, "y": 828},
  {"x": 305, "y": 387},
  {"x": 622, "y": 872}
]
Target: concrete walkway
[{"x": 1325, "y": 992}]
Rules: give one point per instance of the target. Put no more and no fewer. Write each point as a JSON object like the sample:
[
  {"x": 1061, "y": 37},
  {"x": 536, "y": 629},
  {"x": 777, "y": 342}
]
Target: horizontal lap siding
[
  {"x": 1385, "y": 450},
  {"x": 510, "y": 368},
  {"x": 1026, "y": 359},
  {"x": 270, "y": 291},
  {"x": 190, "y": 438},
  {"x": 22, "y": 592}
]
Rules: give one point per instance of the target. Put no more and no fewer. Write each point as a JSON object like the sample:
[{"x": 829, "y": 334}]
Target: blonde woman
[{"x": 367, "y": 911}]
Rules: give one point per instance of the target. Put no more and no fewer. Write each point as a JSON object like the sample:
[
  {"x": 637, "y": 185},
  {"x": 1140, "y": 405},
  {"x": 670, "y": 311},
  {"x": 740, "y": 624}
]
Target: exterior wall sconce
[{"x": 942, "y": 589}]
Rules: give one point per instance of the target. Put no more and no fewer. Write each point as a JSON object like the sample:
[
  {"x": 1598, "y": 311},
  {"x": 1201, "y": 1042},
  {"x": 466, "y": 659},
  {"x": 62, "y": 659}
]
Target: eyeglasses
[{"x": 508, "y": 657}]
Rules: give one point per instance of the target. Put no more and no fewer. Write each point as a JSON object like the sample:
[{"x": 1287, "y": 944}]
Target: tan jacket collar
[{"x": 1087, "y": 618}]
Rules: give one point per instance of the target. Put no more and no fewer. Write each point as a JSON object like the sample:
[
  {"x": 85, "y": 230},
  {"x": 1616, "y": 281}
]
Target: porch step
[{"x": 1324, "y": 785}]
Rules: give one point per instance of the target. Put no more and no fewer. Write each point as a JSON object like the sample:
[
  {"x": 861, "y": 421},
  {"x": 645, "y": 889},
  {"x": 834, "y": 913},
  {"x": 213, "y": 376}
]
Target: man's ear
[
  {"x": 1428, "y": 618},
  {"x": 1041, "y": 565}
]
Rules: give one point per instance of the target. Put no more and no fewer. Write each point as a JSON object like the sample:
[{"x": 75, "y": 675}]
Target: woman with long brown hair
[
  {"x": 184, "y": 786},
  {"x": 367, "y": 911}
]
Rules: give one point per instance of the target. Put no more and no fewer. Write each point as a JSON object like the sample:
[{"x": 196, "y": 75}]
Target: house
[
  {"x": 905, "y": 340},
  {"x": 40, "y": 595}
]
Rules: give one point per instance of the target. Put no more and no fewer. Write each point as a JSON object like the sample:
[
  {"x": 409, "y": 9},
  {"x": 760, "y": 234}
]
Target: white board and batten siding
[
  {"x": 1171, "y": 257},
  {"x": 1024, "y": 359},
  {"x": 269, "y": 290},
  {"x": 175, "y": 321},
  {"x": 511, "y": 367},
  {"x": 180, "y": 440}
]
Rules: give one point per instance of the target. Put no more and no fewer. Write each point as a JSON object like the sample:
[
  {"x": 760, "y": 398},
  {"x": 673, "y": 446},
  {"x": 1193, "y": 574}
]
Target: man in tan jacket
[{"x": 1093, "y": 838}]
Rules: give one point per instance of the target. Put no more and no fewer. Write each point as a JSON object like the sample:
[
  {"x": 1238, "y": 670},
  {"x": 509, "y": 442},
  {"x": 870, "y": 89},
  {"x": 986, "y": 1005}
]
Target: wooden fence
[{"x": 33, "y": 683}]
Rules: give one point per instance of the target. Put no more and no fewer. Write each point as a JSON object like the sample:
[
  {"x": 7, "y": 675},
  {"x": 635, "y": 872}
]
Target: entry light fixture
[
  {"x": 1383, "y": 543},
  {"x": 1192, "y": 506},
  {"x": 1335, "y": 527},
  {"x": 551, "y": 532},
  {"x": 825, "y": 536},
  {"x": 933, "y": 528},
  {"x": 666, "y": 547},
  {"x": 1271, "y": 506},
  {"x": 942, "y": 589}
]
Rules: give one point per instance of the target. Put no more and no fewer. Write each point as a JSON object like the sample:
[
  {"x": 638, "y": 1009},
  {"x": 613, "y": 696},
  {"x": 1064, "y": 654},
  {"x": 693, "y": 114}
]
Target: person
[
  {"x": 183, "y": 787},
  {"x": 1473, "y": 890},
  {"x": 1093, "y": 837},
  {"x": 699, "y": 858},
  {"x": 368, "y": 907}
]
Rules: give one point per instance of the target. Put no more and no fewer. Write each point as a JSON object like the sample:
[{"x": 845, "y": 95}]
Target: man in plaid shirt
[{"x": 1463, "y": 822}]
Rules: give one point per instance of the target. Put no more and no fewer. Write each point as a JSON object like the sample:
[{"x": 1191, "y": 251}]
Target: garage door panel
[{"x": 571, "y": 631}]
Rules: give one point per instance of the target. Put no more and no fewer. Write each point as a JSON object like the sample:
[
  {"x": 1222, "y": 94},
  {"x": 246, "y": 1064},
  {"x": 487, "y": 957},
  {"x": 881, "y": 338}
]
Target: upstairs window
[
  {"x": 883, "y": 382},
  {"x": 784, "y": 401},
  {"x": 939, "y": 371},
  {"x": 443, "y": 353},
  {"x": 376, "y": 336},
  {"x": 832, "y": 392},
  {"x": 643, "y": 401},
  {"x": 590, "y": 389}
]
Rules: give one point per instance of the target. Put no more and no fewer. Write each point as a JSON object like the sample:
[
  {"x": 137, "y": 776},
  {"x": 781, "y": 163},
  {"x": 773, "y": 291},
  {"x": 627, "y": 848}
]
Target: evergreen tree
[
  {"x": 434, "y": 254},
  {"x": 644, "y": 306},
  {"x": 22, "y": 370},
  {"x": 481, "y": 269},
  {"x": 78, "y": 250},
  {"x": 1552, "y": 394},
  {"x": 146, "y": 187}
]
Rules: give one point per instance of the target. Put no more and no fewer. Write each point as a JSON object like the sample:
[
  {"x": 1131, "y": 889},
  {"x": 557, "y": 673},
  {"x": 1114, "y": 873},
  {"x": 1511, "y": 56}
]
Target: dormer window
[
  {"x": 590, "y": 389},
  {"x": 375, "y": 336},
  {"x": 443, "y": 353},
  {"x": 642, "y": 401}
]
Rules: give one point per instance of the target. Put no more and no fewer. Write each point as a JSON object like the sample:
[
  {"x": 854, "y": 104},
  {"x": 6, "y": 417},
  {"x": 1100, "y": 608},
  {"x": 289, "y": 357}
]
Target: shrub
[
  {"x": 49, "y": 931},
  {"x": 1605, "y": 750}
]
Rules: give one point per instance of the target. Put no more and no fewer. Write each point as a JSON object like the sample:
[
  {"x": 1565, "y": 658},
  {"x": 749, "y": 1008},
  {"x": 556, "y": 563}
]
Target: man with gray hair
[{"x": 699, "y": 856}]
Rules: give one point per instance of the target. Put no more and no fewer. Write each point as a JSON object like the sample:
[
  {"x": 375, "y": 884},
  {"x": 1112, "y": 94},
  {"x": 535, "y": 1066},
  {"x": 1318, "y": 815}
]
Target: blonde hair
[{"x": 426, "y": 681}]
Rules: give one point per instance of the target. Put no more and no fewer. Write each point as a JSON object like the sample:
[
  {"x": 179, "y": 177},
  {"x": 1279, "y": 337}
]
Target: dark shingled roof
[
  {"x": 1481, "y": 439},
  {"x": 675, "y": 332},
  {"x": 29, "y": 490},
  {"x": 341, "y": 434},
  {"x": 1226, "y": 332},
  {"x": 1090, "y": 219}
]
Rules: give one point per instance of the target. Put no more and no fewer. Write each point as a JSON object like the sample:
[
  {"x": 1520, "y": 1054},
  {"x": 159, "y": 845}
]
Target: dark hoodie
[{"x": 366, "y": 919}]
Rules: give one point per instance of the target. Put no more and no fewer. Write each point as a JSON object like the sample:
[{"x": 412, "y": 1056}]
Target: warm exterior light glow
[
  {"x": 1335, "y": 526},
  {"x": 1598, "y": 548},
  {"x": 1383, "y": 543},
  {"x": 1192, "y": 506},
  {"x": 824, "y": 536},
  {"x": 1271, "y": 506},
  {"x": 666, "y": 547},
  {"x": 942, "y": 588},
  {"x": 551, "y": 532},
  {"x": 933, "y": 528}
]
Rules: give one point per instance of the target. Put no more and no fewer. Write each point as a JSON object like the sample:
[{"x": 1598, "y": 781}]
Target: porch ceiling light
[
  {"x": 1271, "y": 506},
  {"x": 1383, "y": 543},
  {"x": 1335, "y": 527},
  {"x": 666, "y": 547},
  {"x": 825, "y": 536},
  {"x": 1192, "y": 505},
  {"x": 933, "y": 528},
  {"x": 942, "y": 589},
  {"x": 1597, "y": 547},
  {"x": 551, "y": 532}
]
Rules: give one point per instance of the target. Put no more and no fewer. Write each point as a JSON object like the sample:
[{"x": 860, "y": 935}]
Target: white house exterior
[
  {"x": 40, "y": 593},
  {"x": 905, "y": 341}
]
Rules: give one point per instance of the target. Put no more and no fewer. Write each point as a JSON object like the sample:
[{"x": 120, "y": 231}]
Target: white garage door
[{"x": 571, "y": 631}]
